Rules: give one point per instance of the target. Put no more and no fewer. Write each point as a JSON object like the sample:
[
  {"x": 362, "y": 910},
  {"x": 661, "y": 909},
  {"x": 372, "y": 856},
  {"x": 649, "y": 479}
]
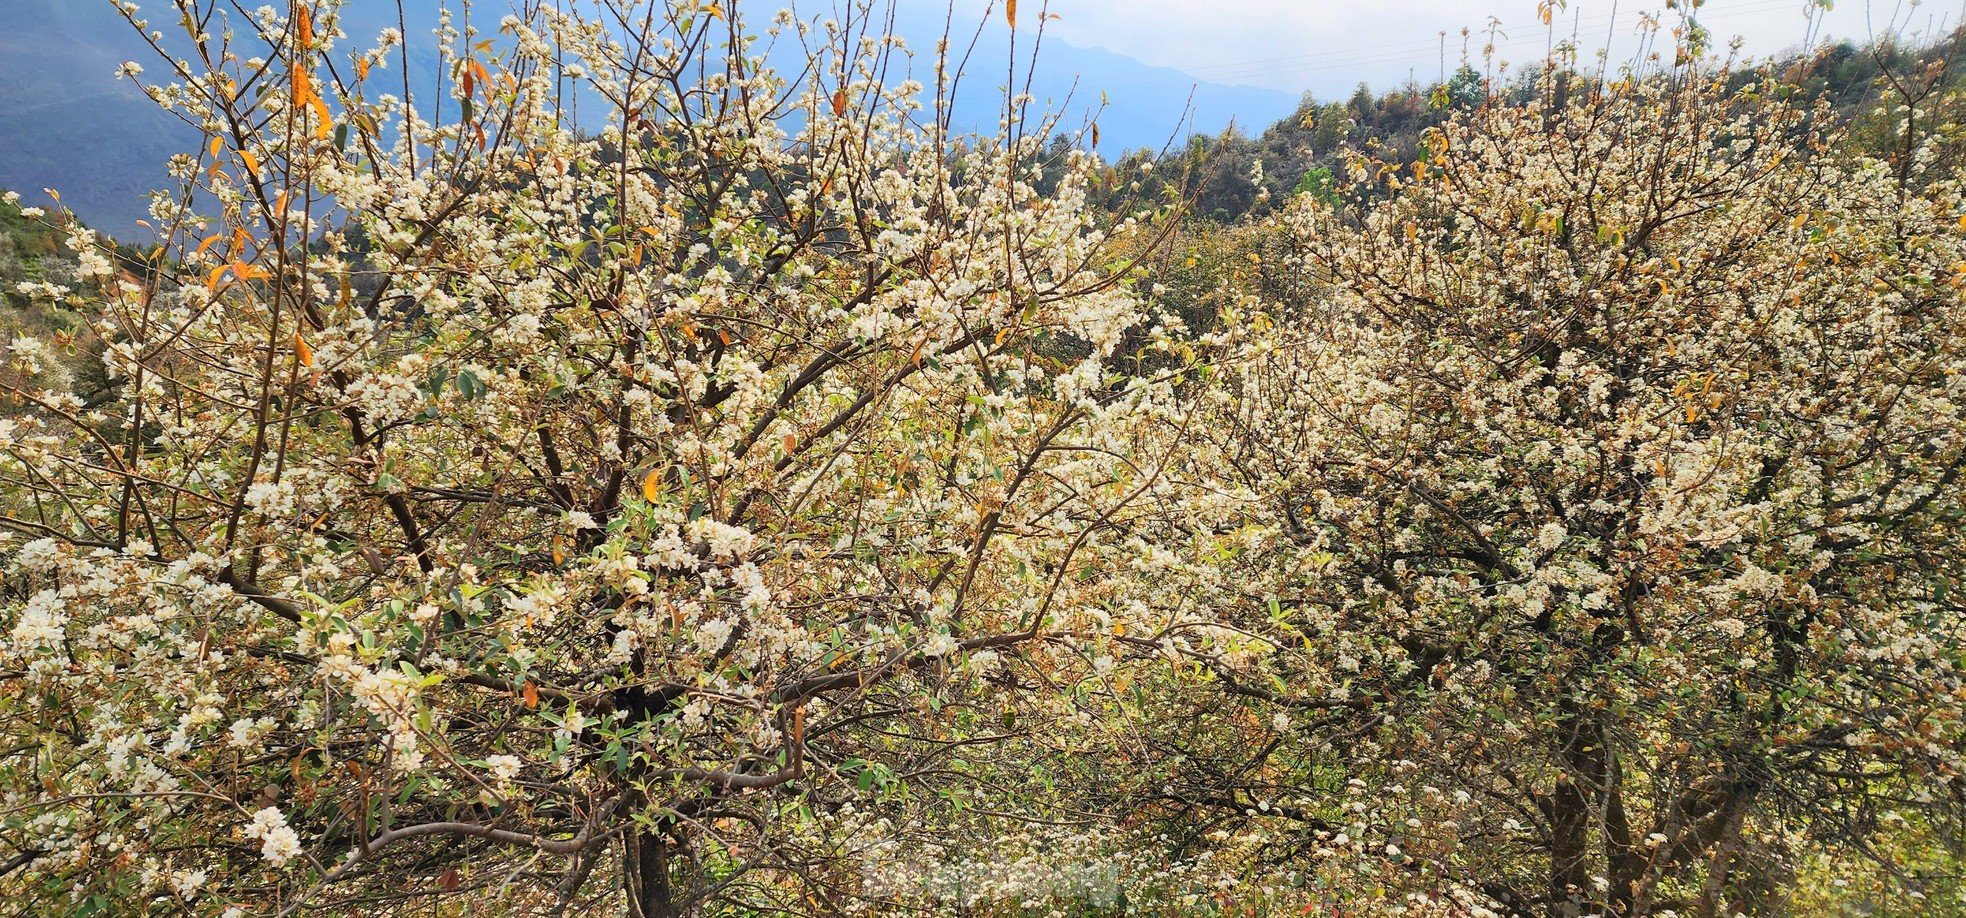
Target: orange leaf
[
  {"x": 652, "y": 486},
  {"x": 1010, "y": 12},
  {"x": 303, "y": 25},
  {"x": 531, "y": 693},
  {"x": 839, "y": 102},
  {"x": 302, "y": 351},
  {"x": 361, "y": 68},
  {"x": 323, "y": 119},
  {"x": 302, "y": 88},
  {"x": 791, "y": 442},
  {"x": 252, "y": 162}
]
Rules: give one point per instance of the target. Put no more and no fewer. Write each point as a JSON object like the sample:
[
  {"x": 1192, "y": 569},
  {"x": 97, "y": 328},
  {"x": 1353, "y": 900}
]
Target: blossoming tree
[
  {"x": 488, "y": 508},
  {"x": 1614, "y": 462}
]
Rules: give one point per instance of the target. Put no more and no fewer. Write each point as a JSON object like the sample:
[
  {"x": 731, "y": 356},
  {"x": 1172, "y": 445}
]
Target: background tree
[{"x": 1615, "y": 494}]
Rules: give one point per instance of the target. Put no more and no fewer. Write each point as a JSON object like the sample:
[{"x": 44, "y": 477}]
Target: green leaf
[{"x": 470, "y": 386}]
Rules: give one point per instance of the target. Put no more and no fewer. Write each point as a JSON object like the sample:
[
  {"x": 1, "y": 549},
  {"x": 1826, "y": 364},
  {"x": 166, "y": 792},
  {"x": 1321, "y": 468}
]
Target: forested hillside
[
  {"x": 1233, "y": 175},
  {"x": 1536, "y": 497}
]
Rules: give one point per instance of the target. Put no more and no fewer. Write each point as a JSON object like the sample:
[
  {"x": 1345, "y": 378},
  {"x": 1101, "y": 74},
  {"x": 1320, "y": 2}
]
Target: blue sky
[{"x": 1328, "y": 46}]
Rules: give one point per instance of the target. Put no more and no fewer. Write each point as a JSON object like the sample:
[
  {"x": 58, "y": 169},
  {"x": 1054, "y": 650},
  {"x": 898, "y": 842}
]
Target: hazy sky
[{"x": 1328, "y": 46}]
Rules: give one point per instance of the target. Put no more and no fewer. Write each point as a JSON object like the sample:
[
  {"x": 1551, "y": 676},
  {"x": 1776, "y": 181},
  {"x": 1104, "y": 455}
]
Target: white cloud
[{"x": 1328, "y": 46}]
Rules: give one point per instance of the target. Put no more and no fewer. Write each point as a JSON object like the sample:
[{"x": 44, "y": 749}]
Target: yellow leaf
[
  {"x": 252, "y": 162},
  {"x": 302, "y": 351},
  {"x": 217, "y": 144},
  {"x": 1010, "y": 12},
  {"x": 361, "y": 68},
  {"x": 652, "y": 485},
  {"x": 559, "y": 554}
]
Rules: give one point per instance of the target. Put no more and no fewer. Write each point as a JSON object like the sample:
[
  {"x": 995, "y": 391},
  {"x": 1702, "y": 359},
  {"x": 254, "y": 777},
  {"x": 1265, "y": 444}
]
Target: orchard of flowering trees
[{"x": 773, "y": 497}]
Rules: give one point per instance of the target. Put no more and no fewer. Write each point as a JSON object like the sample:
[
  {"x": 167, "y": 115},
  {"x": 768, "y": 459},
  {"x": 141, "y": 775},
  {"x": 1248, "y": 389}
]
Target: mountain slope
[{"x": 67, "y": 122}]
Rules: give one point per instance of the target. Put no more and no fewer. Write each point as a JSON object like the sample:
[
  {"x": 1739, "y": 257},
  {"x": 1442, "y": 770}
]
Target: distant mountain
[
  {"x": 67, "y": 122},
  {"x": 1137, "y": 105}
]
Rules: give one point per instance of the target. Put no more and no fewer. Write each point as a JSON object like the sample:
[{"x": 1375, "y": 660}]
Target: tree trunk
[
  {"x": 1571, "y": 805},
  {"x": 1570, "y": 815},
  {"x": 645, "y": 875},
  {"x": 1625, "y": 863}
]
